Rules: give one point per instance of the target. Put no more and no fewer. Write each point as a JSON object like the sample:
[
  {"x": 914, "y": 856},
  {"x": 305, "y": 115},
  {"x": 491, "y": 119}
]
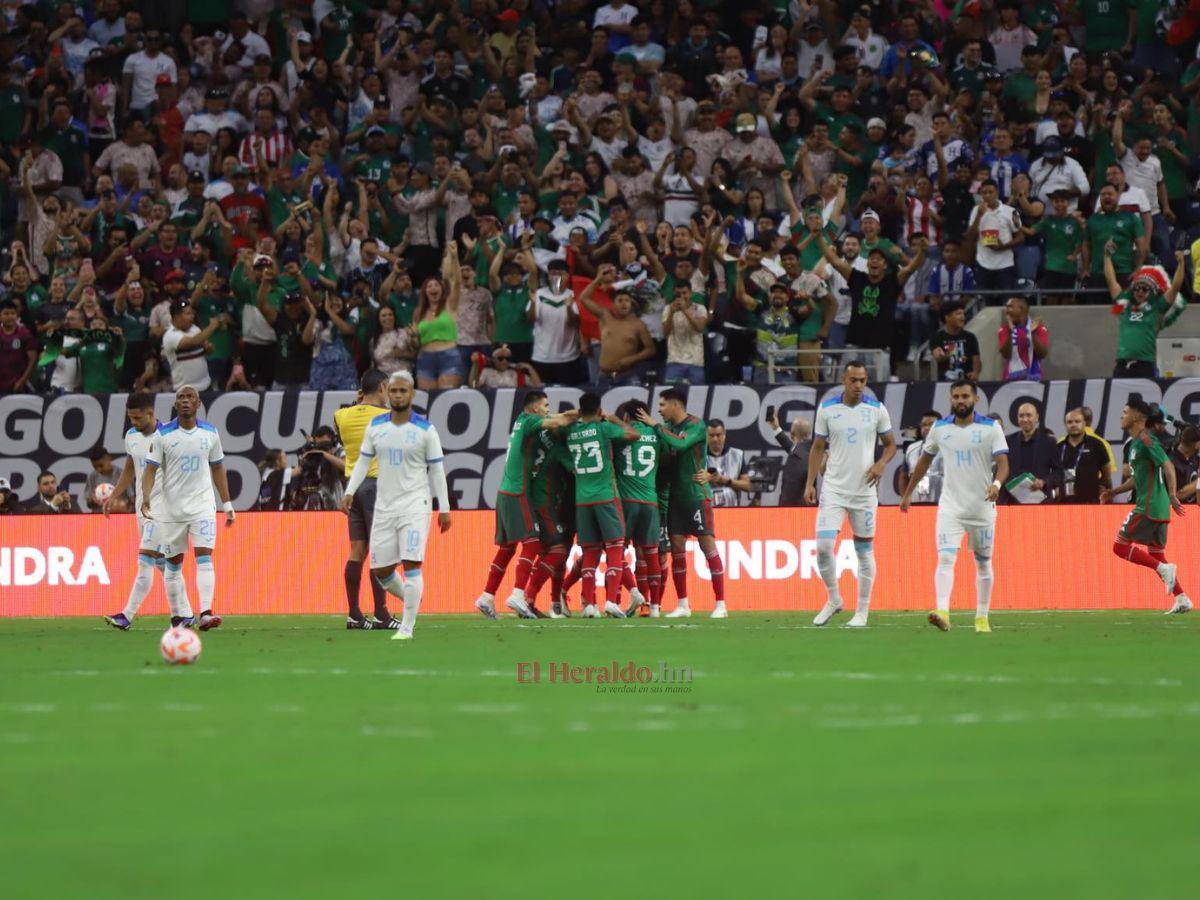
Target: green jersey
[
  {"x": 1137, "y": 332},
  {"x": 689, "y": 440},
  {"x": 551, "y": 471},
  {"x": 1123, "y": 229},
  {"x": 512, "y": 324},
  {"x": 1106, "y": 24},
  {"x": 518, "y": 464},
  {"x": 1146, "y": 459},
  {"x": 1062, "y": 237},
  {"x": 208, "y": 307},
  {"x": 590, "y": 445},
  {"x": 99, "y": 359},
  {"x": 637, "y": 466}
]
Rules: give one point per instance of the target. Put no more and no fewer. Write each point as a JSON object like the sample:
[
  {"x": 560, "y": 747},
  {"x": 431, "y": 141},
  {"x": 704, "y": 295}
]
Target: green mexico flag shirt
[
  {"x": 1146, "y": 459},
  {"x": 590, "y": 446},
  {"x": 637, "y": 466},
  {"x": 518, "y": 464}
]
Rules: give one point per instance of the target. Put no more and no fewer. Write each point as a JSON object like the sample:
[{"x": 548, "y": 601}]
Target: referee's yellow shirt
[{"x": 351, "y": 424}]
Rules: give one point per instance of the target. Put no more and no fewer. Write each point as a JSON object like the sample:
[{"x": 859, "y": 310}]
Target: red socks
[
  {"x": 529, "y": 552},
  {"x": 1135, "y": 554},
  {"x": 614, "y": 571},
  {"x": 627, "y": 580},
  {"x": 591, "y": 559},
  {"x": 550, "y": 562},
  {"x": 576, "y": 572},
  {"x": 717, "y": 570},
  {"x": 648, "y": 571},
  {"x": 504, "y": 553},
  {"x": 679, "y": 573}
]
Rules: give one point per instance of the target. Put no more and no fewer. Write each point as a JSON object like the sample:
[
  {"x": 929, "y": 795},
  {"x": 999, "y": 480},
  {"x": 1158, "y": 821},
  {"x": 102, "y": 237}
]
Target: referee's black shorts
[{"x": 362, "y": 511}]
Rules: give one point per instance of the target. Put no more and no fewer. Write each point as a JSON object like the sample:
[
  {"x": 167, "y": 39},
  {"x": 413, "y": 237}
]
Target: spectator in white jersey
[
  {"x": 930, "y": 486},
  {"x": 725, "y": 465}
]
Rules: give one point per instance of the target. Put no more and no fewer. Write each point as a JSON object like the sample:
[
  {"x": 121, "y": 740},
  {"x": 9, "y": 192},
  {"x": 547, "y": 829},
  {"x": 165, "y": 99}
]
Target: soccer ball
[
  {"x": 103, "y": 492},
  {"x": 180, "y": 646}
]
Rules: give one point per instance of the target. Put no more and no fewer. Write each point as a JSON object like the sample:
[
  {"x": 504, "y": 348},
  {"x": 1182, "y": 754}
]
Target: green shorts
[
  {"x": 641, "y": 522},
  {"x": 599, "y": 523},
  {"x": 514, "y": 519},
  {"x": 1137, "y": 529},
  {"x": 551, "y": 531},
  {"x": 688, "y": 517}
]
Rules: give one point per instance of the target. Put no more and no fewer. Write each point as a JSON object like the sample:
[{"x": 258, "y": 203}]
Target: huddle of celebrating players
[{"x": 609, "y": 482}]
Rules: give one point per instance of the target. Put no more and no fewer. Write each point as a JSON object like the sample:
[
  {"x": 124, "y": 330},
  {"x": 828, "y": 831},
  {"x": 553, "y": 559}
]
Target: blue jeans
[
  {"x": 1160, "y": 243},
  {"x": 681, "y": 372},
  {"x": 433, "y": 364},
  {"x": 593, "y": 363}
]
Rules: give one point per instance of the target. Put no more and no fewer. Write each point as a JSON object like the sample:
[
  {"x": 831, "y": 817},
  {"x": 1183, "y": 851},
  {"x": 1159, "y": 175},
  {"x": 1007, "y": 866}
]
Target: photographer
[
  {"x": 318, "y": 478},
  {"x": 725, "y": 465}
]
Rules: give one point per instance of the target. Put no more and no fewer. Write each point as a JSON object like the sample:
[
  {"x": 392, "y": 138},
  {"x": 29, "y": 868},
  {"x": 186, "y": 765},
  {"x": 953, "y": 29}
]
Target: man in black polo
[{"x": 1083, "y": 469}]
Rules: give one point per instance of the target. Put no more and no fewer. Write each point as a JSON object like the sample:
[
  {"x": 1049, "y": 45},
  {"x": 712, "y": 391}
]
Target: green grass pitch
[{"x": 1053, "y": 758}]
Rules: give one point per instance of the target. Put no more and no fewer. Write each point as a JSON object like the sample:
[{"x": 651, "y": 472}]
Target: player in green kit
[
  {"x": 1153, "y": 480},
  {"x": 555, "y": 518},
  {"x": 515, "y": 522},
  {"x": 691, "y": 498},
  {"x": 598, "y": 518},
  {"x": 637, "y": 476}
]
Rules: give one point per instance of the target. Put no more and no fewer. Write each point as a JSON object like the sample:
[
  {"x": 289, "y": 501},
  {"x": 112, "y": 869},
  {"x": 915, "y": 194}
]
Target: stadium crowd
[{"x": 253, "y": 194}]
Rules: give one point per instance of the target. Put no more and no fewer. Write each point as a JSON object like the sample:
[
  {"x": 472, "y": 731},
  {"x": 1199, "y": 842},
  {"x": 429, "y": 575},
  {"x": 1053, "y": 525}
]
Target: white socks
[
  {"x": 943, "y": 579},
  {"x": 177, "y": 597},
  {"x": 142, "y": 583},
  {"x": 827, "y": 566},
  {"x": 206, "y": 582},
  {"x": 407, "y": 591},
  {"x": 866, "y": 574},
  {"x": 984, "y": 580},
  {"x": 413, "y": 585}
]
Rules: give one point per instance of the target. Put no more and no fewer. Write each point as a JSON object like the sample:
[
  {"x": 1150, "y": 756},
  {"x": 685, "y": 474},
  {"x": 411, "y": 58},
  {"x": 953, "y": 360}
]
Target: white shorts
[
  {"x": 981, "y": 535},
  {"x": 833, "y": 511},
  {"x": 396, "y": 539},
  {"x": 170, "y": 539}
]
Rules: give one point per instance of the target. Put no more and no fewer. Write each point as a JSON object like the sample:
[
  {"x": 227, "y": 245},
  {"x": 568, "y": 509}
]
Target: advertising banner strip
[
  {"x": 1051, "y": 557},
  {"x": 58, "y": 433}
]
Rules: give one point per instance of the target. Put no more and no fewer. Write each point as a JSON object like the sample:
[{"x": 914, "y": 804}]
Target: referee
[{"x": 351, "y": 423}]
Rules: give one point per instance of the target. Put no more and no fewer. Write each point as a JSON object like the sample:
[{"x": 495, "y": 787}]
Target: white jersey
[
  {"x": 184, "y": 459},
  {"x": 137, "y": 445},
  {"x": 404, "y": 453},
  {"x": 968, "y": 454},
  {"x": 849, "y": 433}
]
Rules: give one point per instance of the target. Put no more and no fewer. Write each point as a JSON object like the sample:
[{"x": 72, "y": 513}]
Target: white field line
[{"x": 1079, "y": 712}]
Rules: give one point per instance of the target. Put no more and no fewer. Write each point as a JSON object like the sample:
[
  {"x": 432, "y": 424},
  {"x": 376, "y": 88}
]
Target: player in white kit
[
  {"x": 140, "y": 409},
  {"x": 970, "y": 445},
  {"x": 846, "y": 428},
  {"x": 409, "y": 453},
  {"x": 185, "y": 454}
]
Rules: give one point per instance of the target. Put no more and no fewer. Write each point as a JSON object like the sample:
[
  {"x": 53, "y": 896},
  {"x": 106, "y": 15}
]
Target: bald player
[{"x": 351, "y": 423}]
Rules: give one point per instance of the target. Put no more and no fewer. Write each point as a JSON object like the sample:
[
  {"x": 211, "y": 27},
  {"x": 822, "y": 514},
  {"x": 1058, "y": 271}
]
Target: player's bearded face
[
  {"x": 964, "y": 404},
  {"x": 400, "y": 395}
]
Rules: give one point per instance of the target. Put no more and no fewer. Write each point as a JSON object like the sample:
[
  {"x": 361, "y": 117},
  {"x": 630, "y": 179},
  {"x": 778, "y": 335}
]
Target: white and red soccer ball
[{"x": 180, "y": 646}]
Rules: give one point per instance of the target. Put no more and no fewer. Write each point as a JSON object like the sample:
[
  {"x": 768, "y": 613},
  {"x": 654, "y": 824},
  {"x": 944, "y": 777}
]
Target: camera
[{"x": 311, "y": 489}]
